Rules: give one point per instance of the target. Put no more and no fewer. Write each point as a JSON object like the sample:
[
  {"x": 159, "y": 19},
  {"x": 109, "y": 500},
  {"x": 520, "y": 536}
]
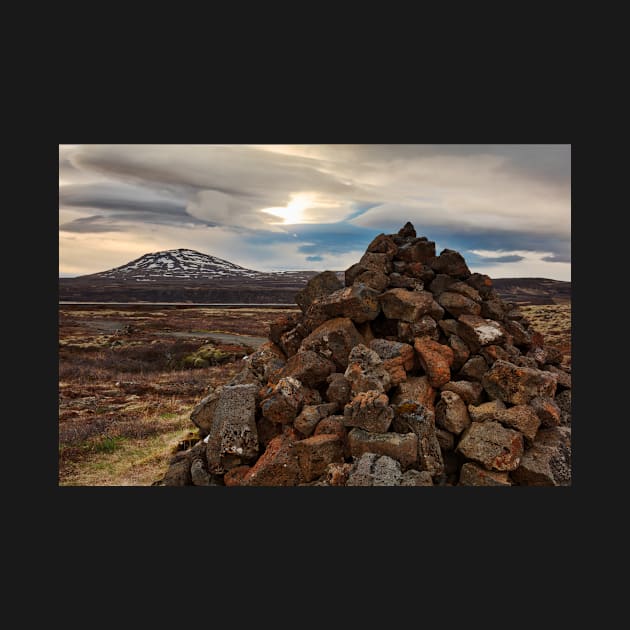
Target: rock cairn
[{"x": 415, "y": 373}]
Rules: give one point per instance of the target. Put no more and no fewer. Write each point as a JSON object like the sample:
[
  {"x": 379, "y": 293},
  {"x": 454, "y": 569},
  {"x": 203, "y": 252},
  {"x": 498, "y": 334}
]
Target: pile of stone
[{"x": 415, "y": 373}]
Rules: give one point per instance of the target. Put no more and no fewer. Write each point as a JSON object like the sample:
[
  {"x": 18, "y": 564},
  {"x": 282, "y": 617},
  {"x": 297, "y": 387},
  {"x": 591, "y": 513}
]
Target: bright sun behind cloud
[{"x": 304, "y": 207}]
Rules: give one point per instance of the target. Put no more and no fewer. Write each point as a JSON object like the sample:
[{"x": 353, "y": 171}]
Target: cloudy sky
[{"x": 506, "y": 208}]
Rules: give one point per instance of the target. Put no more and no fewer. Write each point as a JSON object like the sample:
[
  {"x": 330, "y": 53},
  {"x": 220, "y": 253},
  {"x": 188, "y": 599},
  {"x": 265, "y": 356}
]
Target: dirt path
[{"x": 254, "y": 342}]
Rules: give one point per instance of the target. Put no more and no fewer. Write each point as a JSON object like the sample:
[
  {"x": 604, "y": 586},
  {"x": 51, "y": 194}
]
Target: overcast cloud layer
[{"x": 506, "y": 208}]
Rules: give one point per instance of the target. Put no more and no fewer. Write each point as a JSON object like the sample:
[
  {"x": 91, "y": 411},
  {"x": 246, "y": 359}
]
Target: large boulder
[
  {"x": 318, "y": 286},
  {"x": 409, "y": 306},
  {"x": 520, "y": 417},
  {"x": 478, "y": 332},
  {"x": 492, "y": 445},
  {"x": 517, "y": 385},
  {"x": 308, "y": 367},
  {"x": 397, "y": 357},
  {"x": 228, "y": 417},
  {"x": 417, "y": 389},
  {"x": 548, "y": 461},
  {"x": 358, "y": 302},
  {"x": 472, "y": 474},
  {"x": 457, "y": 304},
  {"x": 334, "y": 340},
  {"x": 316, "y": 453},
  {"x": 451, "y": 263},
  {"x": 284, "y": 402},
  {"x": 277, "y": 466}
]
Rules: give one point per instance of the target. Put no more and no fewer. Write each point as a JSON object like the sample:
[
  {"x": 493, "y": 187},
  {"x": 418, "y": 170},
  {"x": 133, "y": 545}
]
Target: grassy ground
[{"x": 128, "y": 381}]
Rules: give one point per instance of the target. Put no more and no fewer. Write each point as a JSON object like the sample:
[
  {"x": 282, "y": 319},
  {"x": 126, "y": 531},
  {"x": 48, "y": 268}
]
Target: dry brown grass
[{"x": 124, "y": 399}]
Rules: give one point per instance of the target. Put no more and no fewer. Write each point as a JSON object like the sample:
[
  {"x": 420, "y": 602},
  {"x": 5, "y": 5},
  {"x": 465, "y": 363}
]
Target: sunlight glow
[{"x": 294, "y": 211}]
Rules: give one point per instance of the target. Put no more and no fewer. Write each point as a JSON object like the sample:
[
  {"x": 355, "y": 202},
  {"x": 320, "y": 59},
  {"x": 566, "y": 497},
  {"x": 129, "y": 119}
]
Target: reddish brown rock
[
  {"x": 521, "y": 338},
  {"x": 435, "y": 359},
  {"x": 493, "y": 309},
  {"x": 485, "y": 411},
  {"x": 358, "y": 302},
  {"x": 333, "y": 340},
  {"x": 553, "y": 355},
  {"x": 318, "y": 286},
  {"x": 457, "y": 304},
  {"x": 474, "y": 368},
  {"x": 421, "y": 251},
  {"x": 291, "y": 340},
  {"x": 417, "y": 389},
  {"x": 377, "y": 262},
  {"x": 316, "y": 453},
  {"x": 285, "y": 401},
  {"x": 332, "y": 425},
  {"x": 517, "y": 385},
  {"x": 474, "y": 475},
  {"x": 548, "y": 461},
  {"x": 337, "y": 474},
  {"x": 562, "y": 378},
  {"x": 461, "y": 352},
  {"x": 366, "y": 371},
  {"x": 416, "y": 478},
  {"x": 403, "y": 447},
  {"x": 308, "y": 367},
  {"x": 492, "y": 445},
  {"x": 353, "y": 272},
  {"x": 493, "y": 353},
  {"x": 520, "y": 417},
  {"x": 451, "y": 263},
  {"x": 451, "y": 413},
  {"x": 398, "y": 281},
  {"x": 397, "y": 357},
  {"x": 267, "y": 430},
  {"x": 418, "y": 270},
  {"x": 373, "y": 470},
  {"x": 277, "y": 466},
  {"x": 407, "y": 230},
  {"x": 369, "y": 411},
  {"x": 478, "y": 332},
  {"x": 426, "y": 326},
  {"x": 469, "y": 391},
  {"x": 282, "y": 325},
  {"x": 383, "y": 244},
  {"x": 235, "y": 476},
  {"x": 448, "y": 326},
  {"x": 481, "y": 283},
  {"x": 409, "y": 306},
  {"x": 338, "y": 389},
  {"x": 375, "y": 280},
  {"x": 308, "y": 418},
  {"x": 547, "y": 411}
]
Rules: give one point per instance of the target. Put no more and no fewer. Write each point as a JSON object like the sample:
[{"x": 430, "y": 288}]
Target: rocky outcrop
[{"x": 414, "y": 374}]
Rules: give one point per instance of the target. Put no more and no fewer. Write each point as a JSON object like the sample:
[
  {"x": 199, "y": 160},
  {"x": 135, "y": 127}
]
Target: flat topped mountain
[{"x": 185, "y": 264}]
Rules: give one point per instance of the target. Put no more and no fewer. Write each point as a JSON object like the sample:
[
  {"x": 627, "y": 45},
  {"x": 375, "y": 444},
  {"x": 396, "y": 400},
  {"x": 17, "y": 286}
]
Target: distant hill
[
  {"x": 533, "y": 290},
  {"x": 185, "y": 275}
]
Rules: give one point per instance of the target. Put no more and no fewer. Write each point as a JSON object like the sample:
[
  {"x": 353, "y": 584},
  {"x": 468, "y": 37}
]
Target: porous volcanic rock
[{"x": 413, "y": 372}]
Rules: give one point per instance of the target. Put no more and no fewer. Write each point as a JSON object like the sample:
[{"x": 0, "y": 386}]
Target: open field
[{"x": 129, "y": 377}]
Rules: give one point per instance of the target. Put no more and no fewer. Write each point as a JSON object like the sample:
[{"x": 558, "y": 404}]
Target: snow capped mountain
[{"x": 186, "y": 264}]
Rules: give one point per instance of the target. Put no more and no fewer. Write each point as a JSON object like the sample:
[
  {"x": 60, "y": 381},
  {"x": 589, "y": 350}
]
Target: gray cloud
[{"x": 501, "y": 259}]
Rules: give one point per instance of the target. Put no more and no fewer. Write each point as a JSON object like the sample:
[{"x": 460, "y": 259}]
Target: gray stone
[
  {"x": 374, "y": 470},
  {"x": 232, "y": 430},
  {"x": 470, "y": 392},
  {"x": 451, "y": 413},
  {"x": 366, "y": 372},
  {"x": 548, "y": 461}
]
